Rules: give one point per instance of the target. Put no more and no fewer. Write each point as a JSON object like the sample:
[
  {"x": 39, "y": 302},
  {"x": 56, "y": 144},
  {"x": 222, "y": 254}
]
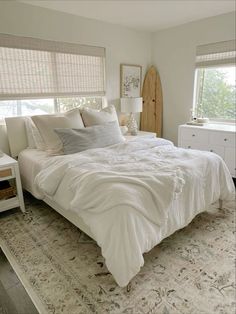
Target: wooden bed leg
[
  {"x": 128, "y": 287},
  {"x": 220, "y": 204}
]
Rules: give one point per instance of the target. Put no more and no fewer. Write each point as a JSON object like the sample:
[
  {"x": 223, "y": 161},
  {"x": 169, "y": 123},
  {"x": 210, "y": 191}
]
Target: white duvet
[{"x": 125, "y": 192}]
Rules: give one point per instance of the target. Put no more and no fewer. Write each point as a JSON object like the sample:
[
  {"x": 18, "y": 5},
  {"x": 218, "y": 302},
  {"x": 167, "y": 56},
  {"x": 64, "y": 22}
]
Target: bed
[{"x": 128, "y": 196}]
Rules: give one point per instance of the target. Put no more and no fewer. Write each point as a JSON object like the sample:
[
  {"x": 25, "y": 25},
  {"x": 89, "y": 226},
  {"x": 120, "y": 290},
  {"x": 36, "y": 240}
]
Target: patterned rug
[{"x": 192, "y": 271}]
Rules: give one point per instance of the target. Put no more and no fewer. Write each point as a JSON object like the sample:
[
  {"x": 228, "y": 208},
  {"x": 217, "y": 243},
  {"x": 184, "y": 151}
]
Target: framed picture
[{"x": 130, "y": 80}]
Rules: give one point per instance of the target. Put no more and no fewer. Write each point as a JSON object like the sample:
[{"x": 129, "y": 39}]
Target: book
[{"x": 195, "y": 123}]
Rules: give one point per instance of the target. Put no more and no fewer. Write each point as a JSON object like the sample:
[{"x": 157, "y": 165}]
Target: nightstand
[
  {"x": 9, "y": 170},
  {"x": 140, "y": 134}
]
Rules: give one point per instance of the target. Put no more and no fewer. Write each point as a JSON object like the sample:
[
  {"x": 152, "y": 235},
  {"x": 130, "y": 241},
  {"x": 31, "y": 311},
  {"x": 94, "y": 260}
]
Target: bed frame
[{"x": 17, "y": 138}]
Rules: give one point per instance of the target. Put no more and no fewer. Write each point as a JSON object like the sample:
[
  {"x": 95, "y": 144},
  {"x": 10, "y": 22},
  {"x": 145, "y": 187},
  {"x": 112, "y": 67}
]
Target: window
[
  {"x": 30, "y": 107},
  {"x": 215, "y": 85},
  {"x": 65, "y": 104},
  {"x": 11, "y": 108},
  {"x": 40, "y": 76}
]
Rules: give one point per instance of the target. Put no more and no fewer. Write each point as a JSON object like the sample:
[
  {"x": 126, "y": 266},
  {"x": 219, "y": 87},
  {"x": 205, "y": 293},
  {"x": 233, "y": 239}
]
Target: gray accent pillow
[{"x": 97, "y": 136}]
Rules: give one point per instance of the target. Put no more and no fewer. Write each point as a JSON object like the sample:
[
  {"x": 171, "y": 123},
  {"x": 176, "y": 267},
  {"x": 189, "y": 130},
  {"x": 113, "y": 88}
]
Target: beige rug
[{"x": 63, "y": 270}]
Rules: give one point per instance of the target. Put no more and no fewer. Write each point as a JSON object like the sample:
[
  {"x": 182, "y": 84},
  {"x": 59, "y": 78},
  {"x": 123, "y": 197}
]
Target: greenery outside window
[{"x": 215, "y": 93}]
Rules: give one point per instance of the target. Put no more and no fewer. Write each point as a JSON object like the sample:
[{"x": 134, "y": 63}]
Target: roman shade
[
  {"x": 36, "y": 68},
  {"x": 216, "y": 54}
]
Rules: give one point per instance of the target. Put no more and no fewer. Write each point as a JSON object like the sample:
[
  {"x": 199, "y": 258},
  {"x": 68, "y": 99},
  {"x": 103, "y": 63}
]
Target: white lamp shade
[{"x": 131, "y": 104}]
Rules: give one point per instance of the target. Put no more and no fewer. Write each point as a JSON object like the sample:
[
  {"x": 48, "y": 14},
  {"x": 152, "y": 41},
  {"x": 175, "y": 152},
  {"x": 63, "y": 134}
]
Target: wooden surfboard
[{"x": 151, "y": 116}]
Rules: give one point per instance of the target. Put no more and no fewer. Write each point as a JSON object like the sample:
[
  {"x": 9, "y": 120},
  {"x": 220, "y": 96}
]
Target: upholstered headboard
[{"x": 16, "y": 133}]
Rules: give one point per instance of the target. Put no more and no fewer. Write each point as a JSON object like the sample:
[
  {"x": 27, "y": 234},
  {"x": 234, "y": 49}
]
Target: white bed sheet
[{"x": 30, "y": 164}]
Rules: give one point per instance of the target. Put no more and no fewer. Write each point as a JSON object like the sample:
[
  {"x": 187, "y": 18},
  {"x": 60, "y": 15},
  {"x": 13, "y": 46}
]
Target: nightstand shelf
[
  {"x": 9, "y": 203},
  {"x": 9, "y": 171},
  {"x": 140, "y": 134}
]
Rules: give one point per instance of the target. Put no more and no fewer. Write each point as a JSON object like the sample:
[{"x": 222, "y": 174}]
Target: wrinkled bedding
[{"x": 124, "y": 193}]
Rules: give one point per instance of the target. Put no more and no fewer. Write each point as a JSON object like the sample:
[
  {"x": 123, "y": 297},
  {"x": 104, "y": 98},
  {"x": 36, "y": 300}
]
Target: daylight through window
[{"x": 215, "y": 86}]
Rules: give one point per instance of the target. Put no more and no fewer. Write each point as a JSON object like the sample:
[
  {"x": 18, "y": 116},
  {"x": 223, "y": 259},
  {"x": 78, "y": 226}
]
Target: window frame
[{"x": 196, "y": 95}]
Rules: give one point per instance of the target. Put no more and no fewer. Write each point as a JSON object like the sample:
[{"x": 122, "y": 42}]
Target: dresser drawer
[
  {"x": 231, "y": 165},
  {"x": 194, "y": 135},
  {"x": 222, "y": 138},
  {"x": 217, "y": 149},
  {"x": 192, "y": 145},
  {"x": 230, "y": 153}
]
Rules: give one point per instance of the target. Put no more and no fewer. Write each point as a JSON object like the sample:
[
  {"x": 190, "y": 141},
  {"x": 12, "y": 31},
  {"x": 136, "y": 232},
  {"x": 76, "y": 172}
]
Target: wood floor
[{"x": 13, "y": 297}]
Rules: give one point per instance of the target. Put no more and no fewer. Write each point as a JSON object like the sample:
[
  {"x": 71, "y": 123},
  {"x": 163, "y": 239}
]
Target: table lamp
[{"x": 131, "y": 105}]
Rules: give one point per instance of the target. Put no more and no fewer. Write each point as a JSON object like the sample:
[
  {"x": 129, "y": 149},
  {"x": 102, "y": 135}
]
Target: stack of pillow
[{"x": 74, "y": 131}]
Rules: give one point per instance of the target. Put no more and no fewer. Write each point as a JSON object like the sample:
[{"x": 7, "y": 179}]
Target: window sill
[
  {"x": 219, "y": 123},
  {"x": 220, "y": 126}
]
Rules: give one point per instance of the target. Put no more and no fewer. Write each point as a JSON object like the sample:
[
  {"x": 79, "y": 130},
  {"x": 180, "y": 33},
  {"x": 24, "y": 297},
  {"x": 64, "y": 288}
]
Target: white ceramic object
[{"x": 202, "y": 120}]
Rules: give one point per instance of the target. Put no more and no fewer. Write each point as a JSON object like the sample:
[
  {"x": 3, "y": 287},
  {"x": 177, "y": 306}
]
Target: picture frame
[{"x": 130, "y": 80}]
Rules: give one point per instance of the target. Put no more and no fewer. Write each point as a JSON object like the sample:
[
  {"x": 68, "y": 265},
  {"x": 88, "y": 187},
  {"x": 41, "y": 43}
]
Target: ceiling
[{"x": 143, "y": 14}]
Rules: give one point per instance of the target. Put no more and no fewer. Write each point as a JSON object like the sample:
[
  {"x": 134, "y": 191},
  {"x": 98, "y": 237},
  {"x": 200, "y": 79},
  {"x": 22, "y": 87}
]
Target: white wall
[
  {"x": 122, "y": 45},
  {"x": 174, "y": 52},
  {"x": 171, "y": 50}
]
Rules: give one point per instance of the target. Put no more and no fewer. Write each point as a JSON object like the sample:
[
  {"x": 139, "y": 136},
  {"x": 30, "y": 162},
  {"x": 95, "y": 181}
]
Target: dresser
[{"x": 217, "y": 138}]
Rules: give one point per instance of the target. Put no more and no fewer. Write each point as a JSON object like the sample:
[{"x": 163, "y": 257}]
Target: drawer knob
[
  {"x": 193, "y": 135},
  {"x": 189, "y": 146},
  {"x": 225, "y": 139},
  {"x": 211, "y": 150}
]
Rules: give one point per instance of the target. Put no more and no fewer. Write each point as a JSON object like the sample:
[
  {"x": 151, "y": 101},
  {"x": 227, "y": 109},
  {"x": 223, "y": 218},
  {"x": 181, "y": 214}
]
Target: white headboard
[{"x": 16, "y": 133}]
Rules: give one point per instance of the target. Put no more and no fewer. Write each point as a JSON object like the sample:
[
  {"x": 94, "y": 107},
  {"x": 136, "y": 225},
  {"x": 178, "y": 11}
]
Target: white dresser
[{"x": 216, "y": 138}]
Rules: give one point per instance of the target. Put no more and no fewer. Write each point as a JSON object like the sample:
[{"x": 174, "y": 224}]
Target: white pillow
[
  {"x": 33, "y": 136},
  {"x": 94, "y": 117},
  {"x": 47, "y": 123}
]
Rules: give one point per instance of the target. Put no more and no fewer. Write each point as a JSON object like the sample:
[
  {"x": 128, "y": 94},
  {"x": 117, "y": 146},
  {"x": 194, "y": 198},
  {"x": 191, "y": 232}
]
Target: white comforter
[{"x": 124, "y": 194}]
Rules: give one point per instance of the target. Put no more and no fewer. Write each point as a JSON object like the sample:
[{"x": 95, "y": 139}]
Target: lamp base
[{"x": 132, "y": 125}]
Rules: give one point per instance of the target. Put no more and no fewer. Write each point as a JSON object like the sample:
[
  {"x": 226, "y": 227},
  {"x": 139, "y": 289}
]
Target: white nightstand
[
  {"x": 9, "y": 170},
  {"x": 140, "y": 134}
]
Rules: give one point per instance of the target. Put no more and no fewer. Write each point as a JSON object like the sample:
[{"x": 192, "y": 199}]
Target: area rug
[{"x": 63, "y": 271}]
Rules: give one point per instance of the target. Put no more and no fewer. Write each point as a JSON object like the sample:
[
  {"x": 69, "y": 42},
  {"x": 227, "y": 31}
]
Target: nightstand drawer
[{"x": 7, "y": 172}]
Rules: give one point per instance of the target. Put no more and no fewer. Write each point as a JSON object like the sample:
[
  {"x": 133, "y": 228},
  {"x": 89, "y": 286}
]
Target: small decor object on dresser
[
  {"x": 130, "y": 80},
  {"x": 11, "y": 195}
]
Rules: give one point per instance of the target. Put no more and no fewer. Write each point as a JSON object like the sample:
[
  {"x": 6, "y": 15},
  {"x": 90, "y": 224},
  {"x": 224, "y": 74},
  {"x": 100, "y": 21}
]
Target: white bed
[{"x": 130, "y": 233}]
